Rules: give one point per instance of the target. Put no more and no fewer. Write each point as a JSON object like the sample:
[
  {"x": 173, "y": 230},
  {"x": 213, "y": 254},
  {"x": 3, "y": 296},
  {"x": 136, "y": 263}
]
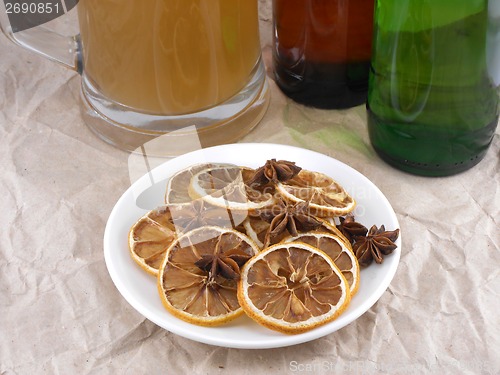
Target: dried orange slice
[
  {"x": 226, "y": 187},
  {"x": 325, "y": 196},
  {"x": 197, "y": 280},
  {"x": 150, "y": 237},
  {"x": 178, "y": 185},
  {"x": 335, "y": 248},
  {"x": 292, "y": 288}
]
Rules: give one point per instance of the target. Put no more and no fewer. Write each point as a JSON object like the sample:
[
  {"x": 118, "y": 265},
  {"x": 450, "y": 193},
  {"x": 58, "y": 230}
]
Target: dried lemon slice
[
  {"x": 328, "y": 225},
  {"x": 152, "y": 234},
  {"x": 178, "y": 184},
  {"x": 197, "y": 281},
  {"x": 292, "y": 288},
  {"x": 325, "y": 196},
  {"x": 150, "y": 237},
  {"x": 226, "y": 187},
  {"x": 335, "y": 248},
  {"x": 256, "y": 228}
]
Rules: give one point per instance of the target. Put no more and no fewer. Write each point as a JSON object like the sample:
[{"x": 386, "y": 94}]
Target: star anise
[
  {"x": 287, "y": 217},
  {"x": 376, "y": 244},
  {"x": 351, "y": 228},
  {"x": 226, "y": 264},
  {"x": 274, "y": 171}
]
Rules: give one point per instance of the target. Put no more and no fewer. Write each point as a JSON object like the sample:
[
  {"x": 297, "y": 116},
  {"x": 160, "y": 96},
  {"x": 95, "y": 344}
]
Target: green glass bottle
[{"x": 433, "y": 96}]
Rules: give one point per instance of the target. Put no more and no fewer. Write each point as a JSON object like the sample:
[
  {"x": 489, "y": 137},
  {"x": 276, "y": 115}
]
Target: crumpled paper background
[{"x": 60, "y": 312}]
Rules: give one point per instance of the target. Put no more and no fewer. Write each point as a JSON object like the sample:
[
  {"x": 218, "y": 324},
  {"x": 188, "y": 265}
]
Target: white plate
[{"x": 139, "y": 288}]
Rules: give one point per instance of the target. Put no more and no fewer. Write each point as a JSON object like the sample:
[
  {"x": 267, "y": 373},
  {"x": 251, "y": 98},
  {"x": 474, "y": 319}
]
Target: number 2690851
[{"x": 31, "y": 8}]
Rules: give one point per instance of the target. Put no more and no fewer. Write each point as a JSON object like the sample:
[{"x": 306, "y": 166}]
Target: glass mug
[{"x": 153, "y": 68}]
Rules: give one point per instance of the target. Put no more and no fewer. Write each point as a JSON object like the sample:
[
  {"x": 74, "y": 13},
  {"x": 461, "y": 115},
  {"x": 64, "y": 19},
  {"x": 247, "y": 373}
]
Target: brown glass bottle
[{"x": 322, "y": 50}]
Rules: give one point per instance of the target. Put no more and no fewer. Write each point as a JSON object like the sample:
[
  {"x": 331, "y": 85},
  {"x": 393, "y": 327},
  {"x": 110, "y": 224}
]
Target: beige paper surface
[{"x": 61, "y": 314}]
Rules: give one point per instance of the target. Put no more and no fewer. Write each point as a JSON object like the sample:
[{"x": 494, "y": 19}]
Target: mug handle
[{"x": 65, "y": 50}]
